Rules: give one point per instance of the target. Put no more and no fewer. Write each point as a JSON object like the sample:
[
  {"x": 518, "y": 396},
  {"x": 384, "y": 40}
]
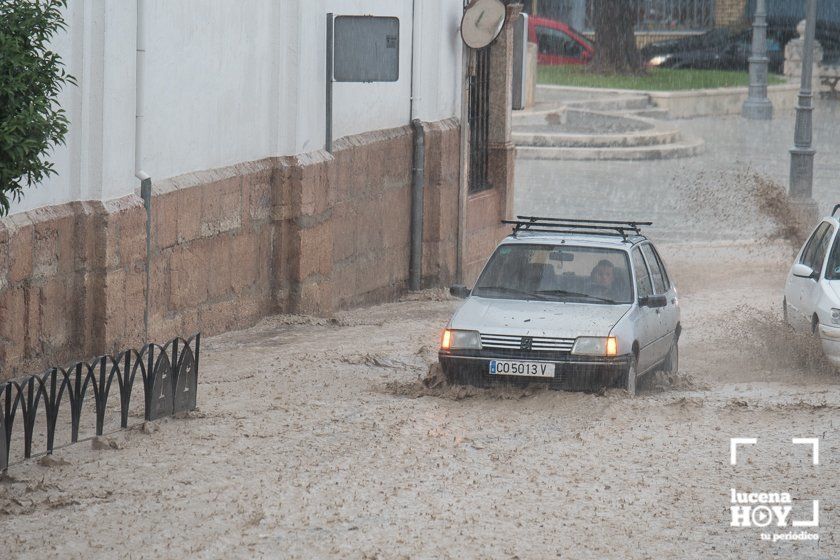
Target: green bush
[{"x": 31, "y": 77}]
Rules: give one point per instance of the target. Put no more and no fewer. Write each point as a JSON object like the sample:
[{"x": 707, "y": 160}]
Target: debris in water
[{"x": 52, "y": 461}]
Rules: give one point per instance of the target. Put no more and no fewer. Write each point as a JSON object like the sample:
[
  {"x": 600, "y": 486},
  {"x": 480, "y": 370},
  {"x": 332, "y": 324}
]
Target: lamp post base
[
  {"x": 805, "y": 213},
  {"x": 757, "y": 109},
  {"x": 801, "y": 173}
]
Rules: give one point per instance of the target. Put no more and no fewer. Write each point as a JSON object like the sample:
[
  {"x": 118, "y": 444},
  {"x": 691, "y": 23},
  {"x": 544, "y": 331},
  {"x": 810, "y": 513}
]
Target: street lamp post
[
  {"x": 802, "y": 154},
  {"x": 757, "y": 106}
]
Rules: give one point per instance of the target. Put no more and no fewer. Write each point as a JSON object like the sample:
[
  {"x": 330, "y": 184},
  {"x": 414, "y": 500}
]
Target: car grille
[{"x": 526, "y": 343}]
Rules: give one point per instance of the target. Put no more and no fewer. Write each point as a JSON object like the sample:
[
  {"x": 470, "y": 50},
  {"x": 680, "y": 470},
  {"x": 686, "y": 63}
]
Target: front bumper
[
  {"x": 830, "y": 339},
  {"x": 571, "y": 373}
]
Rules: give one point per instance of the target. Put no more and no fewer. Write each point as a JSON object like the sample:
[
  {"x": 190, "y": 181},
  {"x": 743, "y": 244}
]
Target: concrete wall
[
  {"x": 250, "y": 215},
  {"x": 720, "y": 101},
  {"x": 644, "y": 38},
  {"x": 97, "y": 161},
  {"x": 311, "y": 233},
  {"x": 730, "y": 12},
  {"x": 228, "y": 82}
]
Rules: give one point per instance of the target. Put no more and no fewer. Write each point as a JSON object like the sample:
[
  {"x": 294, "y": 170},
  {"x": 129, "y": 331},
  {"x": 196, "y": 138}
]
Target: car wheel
[
  {"x": 630, "y": 378},
  {"x": 671, "y": 365}
]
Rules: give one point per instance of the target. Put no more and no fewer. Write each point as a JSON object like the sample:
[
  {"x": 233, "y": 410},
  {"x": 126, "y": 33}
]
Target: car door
[
  {"x": 647, "y": 320},
  {"x": 798, "y": 290},
  {"x": 668, "y": 316},
  {"x": 812, "y": 291}
]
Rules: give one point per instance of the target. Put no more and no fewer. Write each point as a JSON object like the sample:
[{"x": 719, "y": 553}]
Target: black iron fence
[
  {"x": 649, "y": 15},
  {"x": 169, "y": 375},
  {"x": 479, "y": 121},
  {"x": 664, "y": 15}
]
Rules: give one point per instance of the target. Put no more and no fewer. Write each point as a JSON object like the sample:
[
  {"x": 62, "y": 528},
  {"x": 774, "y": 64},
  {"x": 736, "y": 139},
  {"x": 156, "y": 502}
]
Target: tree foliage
[
  {"x": 31, "y": 77},
  {"x": 615, "y": 41}
]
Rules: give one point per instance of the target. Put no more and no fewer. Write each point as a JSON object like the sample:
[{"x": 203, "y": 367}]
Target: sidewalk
[{"x": 672, "y": 193}]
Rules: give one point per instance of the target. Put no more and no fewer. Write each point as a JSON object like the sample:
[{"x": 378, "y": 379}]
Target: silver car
[
  {"x": 575, "y": 304},
  {"x": 812, "y": 290}
]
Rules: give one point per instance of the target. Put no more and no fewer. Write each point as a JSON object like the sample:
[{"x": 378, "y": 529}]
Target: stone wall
[
  {"x": 693, "y": 103},
  {"x": 729, "y": 13},
  {"x": 306, "y": 234}
]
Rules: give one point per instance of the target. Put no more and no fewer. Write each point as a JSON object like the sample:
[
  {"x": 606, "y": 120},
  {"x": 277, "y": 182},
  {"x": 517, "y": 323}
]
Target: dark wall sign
[{"x": 367, "y": 49}]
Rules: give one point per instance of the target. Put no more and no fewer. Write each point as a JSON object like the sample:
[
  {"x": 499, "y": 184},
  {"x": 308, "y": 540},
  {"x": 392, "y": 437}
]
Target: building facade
[{"x": 223, "y": 105}]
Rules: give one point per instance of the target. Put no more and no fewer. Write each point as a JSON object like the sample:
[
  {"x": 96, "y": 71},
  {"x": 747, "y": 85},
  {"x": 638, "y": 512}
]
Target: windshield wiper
[
  {"x": 576, "y": 294},
  {"x": 505, "y": 289}
]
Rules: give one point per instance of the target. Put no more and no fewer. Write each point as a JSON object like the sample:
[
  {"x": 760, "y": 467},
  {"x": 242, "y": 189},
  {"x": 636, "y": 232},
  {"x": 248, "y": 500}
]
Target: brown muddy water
[{"x": 329, "y": 438}]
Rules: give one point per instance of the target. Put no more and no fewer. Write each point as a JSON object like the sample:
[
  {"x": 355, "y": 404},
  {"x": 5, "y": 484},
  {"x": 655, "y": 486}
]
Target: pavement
[{"x": 671, "y": 193}]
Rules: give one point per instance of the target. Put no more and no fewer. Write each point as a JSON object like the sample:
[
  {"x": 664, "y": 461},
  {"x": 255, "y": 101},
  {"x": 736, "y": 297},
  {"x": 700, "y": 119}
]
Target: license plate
[{"x": 522, "y": 369}]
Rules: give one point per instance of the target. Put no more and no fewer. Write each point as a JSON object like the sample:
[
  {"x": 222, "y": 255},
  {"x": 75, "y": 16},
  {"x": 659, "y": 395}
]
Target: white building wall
[{"x": 228, "y": 82}]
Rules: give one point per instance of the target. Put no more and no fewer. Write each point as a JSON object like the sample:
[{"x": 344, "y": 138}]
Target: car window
[
  {"x": 557, "y": 43},
  {"x": 557, "y": 273},
  {"x": 822, "y": 249},
  {"x": 662, "y": 268},
  {"x": 655, "y": 270},
  {"x": 643, "y": 285},
  {"x": 832, "y": 271},
  {"x": 808, "y": 257}
]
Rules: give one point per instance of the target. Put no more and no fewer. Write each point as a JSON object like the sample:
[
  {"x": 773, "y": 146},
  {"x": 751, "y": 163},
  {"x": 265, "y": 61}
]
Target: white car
[
  {"x": 812, "y": 290},
  {"x": 576, "y": 304}
]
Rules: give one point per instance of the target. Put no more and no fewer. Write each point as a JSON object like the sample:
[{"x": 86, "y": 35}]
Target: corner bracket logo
[{"x": 774, "y": 509}]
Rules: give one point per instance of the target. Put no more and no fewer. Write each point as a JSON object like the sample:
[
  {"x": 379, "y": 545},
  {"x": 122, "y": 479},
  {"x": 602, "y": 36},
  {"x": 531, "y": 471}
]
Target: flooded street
[
  {"x": 329, "y": 438},
  {"x": 273, "y": 198},
  {"x": 316, "y": 438}
]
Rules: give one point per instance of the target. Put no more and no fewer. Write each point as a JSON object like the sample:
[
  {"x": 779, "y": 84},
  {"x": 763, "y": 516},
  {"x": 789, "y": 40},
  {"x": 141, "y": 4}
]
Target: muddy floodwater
[
  {"x": 318, "y": 438},
  {"x": 334, "y": 437}
]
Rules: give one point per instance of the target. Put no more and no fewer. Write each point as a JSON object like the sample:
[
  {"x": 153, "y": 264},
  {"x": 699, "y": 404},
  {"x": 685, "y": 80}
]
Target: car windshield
[
  {"x": 557, "y": 273},
  {"x": 586, "y": 40}
]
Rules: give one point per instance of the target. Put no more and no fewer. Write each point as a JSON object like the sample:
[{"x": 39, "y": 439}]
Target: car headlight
[
  {"x": 596, "y": 346},
  {"x": 460, "y": 340},
  {"x": 835, "y": 316},
  {"x": 659, "y": 60}
]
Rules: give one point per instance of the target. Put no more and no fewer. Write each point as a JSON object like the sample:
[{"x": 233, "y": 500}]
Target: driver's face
[{"x": 604, "y": 276}]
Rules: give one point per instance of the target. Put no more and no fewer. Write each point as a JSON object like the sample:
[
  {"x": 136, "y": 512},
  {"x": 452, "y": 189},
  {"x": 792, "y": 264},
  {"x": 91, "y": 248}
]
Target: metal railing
[
  {"x": 664, "y": 15},
  {"x": 651, "y": 15},
  {"x": 479, "y": 122},
  {"x": 169, "y": 374}
]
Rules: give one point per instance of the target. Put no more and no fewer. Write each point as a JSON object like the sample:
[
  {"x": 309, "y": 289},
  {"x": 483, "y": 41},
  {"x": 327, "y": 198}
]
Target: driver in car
[{"x": 602, "y": 280}]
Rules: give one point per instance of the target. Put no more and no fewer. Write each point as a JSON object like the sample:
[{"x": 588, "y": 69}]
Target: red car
[{"x": 558, "y": 43}]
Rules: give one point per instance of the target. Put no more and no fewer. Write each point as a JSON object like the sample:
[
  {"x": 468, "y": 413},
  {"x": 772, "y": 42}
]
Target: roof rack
[{"x": 586, "y": 227}]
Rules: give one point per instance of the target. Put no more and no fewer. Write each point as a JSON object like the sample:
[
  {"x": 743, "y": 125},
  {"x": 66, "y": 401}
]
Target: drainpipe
[
  {"x": 415, "y": 269},
  {"x": 417, "y": 179},
  {"x": 145, "y": 179},
  {"x": 460, "y": 246}
]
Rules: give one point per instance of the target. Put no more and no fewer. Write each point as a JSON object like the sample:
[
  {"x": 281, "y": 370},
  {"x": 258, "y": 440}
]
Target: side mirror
[
  {"x": 459, "y": 291},
  {"x": 653, "y": 301},
  {"x": 803, "y": 271}
]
